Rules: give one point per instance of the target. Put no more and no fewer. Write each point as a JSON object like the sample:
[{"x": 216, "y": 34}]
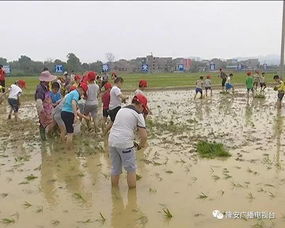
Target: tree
[
  {"x": 97, "y": 66},
  {"x": 3, "y": 61},
  {"x": 110, "y": 57},
  {"x": 73, "y": 63},
  {"x": 25, "y": 64}
]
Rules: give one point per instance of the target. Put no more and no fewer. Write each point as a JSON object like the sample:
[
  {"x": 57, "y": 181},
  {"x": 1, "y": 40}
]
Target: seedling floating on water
[
  {"x": 8, "y": 220},
  {"x": 202, "y": 196},
  {"x": 27, "y": 204},
  {"x": 102, "y": 219},
  {"x": 78, "y": 196},
  {"x": 167, "y": 213},
  {"x": 31, "y": 177},
  {"x": 211, "y": 150}
]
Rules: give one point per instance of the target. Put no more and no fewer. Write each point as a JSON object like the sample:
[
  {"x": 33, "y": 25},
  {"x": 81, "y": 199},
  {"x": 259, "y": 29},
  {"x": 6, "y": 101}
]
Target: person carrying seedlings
[
  {"x": 116, "y": 100},
  {"x": 15, "y": 92},
  {"x": 2, "y": 79},
  {"x": 69, "y": 110},
  {"x": 223, "y": 76},
  {"x": 91, "y": 105},
  {"x": 262, "y": 82},
  {"x": 280, "y": 88},
  {"x": 208, "y": 84},
  {"x": 106, "y": 102},
  {"x": 256, "y": 80},
  {"x": 249, "y": 84},
  {"x": 199, "y": 86},
  {"x": 229, "y": 85},
  {"x": 55, "y": 94},
  {"x": 121, "y": 139},
  {"x": 44, "y": 103}
]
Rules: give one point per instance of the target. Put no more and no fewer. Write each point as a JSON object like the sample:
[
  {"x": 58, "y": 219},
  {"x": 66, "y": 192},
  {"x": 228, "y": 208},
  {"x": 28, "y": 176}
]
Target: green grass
[
  {"x": 211, "y": 150},
  {"x": 157, "y": 80}
]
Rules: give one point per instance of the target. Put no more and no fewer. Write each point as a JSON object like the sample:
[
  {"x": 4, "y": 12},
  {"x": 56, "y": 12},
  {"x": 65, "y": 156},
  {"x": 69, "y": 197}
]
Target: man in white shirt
[
  {"x": 116, "y": 99},
  {"x": 121, "y": 139}
]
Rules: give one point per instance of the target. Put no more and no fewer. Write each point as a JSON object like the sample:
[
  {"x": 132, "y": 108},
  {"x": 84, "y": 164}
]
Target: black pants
[
  {"x": 2, "y": 83},
  {"x": 68, "y": 119}
]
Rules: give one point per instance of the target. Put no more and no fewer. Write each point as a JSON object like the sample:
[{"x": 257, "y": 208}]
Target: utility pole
[{"x": 282, "y": 43}]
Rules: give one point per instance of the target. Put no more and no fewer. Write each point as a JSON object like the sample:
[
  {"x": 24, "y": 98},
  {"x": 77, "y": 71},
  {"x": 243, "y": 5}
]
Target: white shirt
[
  {"x": 228, "y": 80},
  {"x": 138, "y": 91},
  {"x": 126, "y": 123},
  {"x": 208, "y": 82},
  {"x": 15, "y": 91},
  {"x": 92, "y": 94},
  {"x": 115, "y": 100}
]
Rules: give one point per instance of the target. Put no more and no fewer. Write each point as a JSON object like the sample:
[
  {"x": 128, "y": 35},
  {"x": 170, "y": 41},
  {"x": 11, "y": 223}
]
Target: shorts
[
  {"x": 14, "y": 103},
  {"x": 92, "y": 109},
  {"x": 122, "y": 158},
  {"x": 113, "y": 113},
  {"x": 229, "y": 86},
  {"x": 208, "y": 88},
  {"x": 57, "y": 118},
  {"x": 262, "y": 84},
  {"x": 199, "y": 90},
  {"x": 249, "y": 89},
  {"x": 224, "y": 82},
  {"x": 68, "y": 119},
  {"x": 280, "y": 96},
  {"x": 106, "y": 112}
]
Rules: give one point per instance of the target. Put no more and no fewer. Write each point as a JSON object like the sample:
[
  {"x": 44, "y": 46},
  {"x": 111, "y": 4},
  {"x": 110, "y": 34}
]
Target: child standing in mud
[
  {"x": 208, "y": 85},
  {"x": 121, "y": 140},
  {"x": 262, "y": 83},
  {"x": 281, "y": 90},
  {"x": 229, "y": 85},
  {"x": 15, "y": 92},
  {"x": 44, "y": 103},
  {"x": 249, "y": 84},
  {"x": 199, "y": 86},
  {"x": 256, "y": 80},
  {"x": 69, "y": 110}
]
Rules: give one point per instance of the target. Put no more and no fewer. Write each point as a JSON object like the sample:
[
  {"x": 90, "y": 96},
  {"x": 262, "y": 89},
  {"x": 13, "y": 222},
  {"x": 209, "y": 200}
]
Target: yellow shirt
[{"x": 281, "y": 87}]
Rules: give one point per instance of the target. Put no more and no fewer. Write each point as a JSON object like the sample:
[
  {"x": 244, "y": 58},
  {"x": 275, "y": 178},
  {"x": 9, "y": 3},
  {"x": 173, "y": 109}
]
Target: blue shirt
[
  {"x": 55, "y": 97},
  {"x": 67, "y": 106}
]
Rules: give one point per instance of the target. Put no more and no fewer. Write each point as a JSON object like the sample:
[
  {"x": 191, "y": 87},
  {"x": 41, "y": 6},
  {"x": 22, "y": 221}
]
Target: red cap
[
  {"x": 21, "y": 83},
  {"x": 85, "y": 79},
  {"x": 108, "y": 85},
  {"x": 84, "y": 86},
  {"x": 248, "y": 73},
  {"x": 77, "y": 77},
  {"x": 91, "y": 76},
  {"x": 143, "y": 83},
  {"x": 72, "y": 88},
  {"x": 141, "y": 99},
  {"x": 208, "y": 76}
]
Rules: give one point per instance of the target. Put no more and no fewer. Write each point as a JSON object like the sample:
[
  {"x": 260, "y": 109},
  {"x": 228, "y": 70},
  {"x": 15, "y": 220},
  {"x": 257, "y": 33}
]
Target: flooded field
[{"x": 44, "y": 185}]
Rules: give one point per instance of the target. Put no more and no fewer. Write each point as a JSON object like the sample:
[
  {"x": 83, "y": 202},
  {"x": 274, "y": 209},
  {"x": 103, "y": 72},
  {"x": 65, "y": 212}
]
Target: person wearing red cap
[
  {"x": 15, "y": 92},
  {"x": 208, "y": 85},
  {"x": 142, "y": 85},
  {"x": 121, "y": 139},
  {"x": 2, "y": 79},
  {"x": 91, "y": 105},
  {"x": 106, "y": 102},
  {"x": 249, "y": 84},
  {"x": 256, "y": 80},
  {"x": 69, "y": 110}
]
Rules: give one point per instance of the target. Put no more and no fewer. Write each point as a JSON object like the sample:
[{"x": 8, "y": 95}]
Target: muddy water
[{"x": 45, "y": 185}]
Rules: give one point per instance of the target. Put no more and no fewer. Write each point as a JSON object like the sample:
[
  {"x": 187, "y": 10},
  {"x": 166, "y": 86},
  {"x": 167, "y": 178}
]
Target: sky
[{"x": 51, "y": 30}]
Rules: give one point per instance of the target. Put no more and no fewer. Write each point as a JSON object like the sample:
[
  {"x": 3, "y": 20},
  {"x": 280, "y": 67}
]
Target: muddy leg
[
  {"x": 115, "y": 180},
  {"x": 10, "y": 113},
  {"x": 131, "y": 179}
]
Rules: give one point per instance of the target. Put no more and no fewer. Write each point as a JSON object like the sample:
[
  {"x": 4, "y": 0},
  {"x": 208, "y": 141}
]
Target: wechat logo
[{"x": 217, "y": 214}]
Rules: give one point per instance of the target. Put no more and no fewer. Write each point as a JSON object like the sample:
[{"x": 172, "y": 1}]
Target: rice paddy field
[{"x": 179, "y": 184}]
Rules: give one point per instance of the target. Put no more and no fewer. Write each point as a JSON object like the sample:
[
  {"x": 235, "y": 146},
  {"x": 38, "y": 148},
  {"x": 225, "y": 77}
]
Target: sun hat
[
  {"x": 21, "y": 83},
  {"x": 108, "y": 85},
  {"x": 77, "y": 77},
  {"x": 143, "y": 83},
  {"x": 142, "y": 100},
  {"x": 91, "y": 76},
  {"x": 46, "y": 76},
  {"x": 84, "y": 86}
]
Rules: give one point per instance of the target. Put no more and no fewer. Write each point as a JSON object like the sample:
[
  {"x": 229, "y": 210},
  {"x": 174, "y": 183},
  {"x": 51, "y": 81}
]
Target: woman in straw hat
[{"x": 44, "y": 103}]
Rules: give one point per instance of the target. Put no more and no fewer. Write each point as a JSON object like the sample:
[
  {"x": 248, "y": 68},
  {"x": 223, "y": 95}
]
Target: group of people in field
[{"x": 65, "y": 102}]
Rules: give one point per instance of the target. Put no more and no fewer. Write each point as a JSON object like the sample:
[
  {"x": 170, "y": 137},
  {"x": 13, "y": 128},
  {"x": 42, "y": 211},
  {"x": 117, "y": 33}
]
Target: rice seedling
[
  {"x": 169, "y": 171},
  {"x": 215, "y": 177},
  {"x": 143, "y": 220},
  {"x": 250, "y": 196},
  {"x": 30, "y": 177},
  {"x": 7, "y": 220},
  {"x": 4, "y": 195},
  {"x": 167, "y": 213},
  {"x": 202, "y": 196},
  {"x": 152, "y": 190},
  {"x": 85, "y": 221},
  {"x": 39, "y": 209},
  {"x": 138, "y": 176},
  {"x": 55, "y": 222},
  {"x": 102, "y": 219},
  {"x": 24, "y": 182},
  {"x": 211, "y": 150},
  {"x": 78, "y": 196},
  {"x": 271, "y": 195},
  {"x": 27, "y": 204}
]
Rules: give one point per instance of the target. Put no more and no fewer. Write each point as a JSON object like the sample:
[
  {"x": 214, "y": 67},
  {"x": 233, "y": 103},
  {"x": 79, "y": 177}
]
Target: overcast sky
[{"x": 43, "y": 30}]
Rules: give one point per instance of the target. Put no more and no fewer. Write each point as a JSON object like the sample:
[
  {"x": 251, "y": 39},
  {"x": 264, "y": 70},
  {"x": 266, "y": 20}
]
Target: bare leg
[
  {"x": 115, "y": 180},
  {"x": 108, "y": 127},
  {"x": 62, "y": 133},
  {"x": 69, "y": 138},
  {"x": 211, "y": 92},
  {"x": 16, "y": 116},
  {"x": 10, "y": 113},
  {"x": 131, "y": 179}
]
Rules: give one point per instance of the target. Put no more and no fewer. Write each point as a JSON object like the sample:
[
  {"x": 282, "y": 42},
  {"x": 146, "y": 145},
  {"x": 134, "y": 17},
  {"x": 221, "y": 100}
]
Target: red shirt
[
  {"x": 106, "y": 100},
  {"x": 2, "y": 75}
]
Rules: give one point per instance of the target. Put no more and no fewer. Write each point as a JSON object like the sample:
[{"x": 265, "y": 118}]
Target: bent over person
[{"x": 121, "y": 139}]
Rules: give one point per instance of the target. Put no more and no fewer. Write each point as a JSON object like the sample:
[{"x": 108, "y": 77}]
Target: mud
[{"x": 45, "y": 185}]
